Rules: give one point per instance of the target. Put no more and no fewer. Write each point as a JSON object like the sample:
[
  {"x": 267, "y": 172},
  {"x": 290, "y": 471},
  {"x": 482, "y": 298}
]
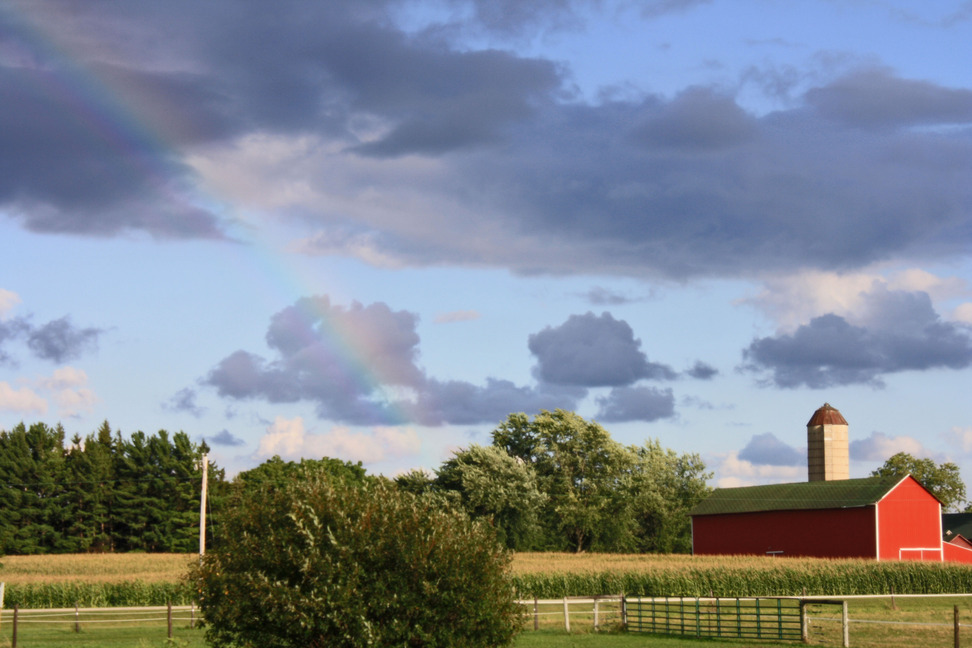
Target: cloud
[
  {"x": 357, "y": 364},
  {"x": 462, "y": 403},
  {"x": 600, "y": 296},
  {"x": 457, "y": 316},
  {"x": 961, "y": 438},
  {"x": 22, "y": 400},
  {"x": 184, "y": 401},
  {"x": 636, "y": 404},
  {"x": 880, "y": 447},
  {"x": 767, "y": 450},
  {"x": 422, "y": 148},
  {"x": 792, "y": 300},
  {"x": 289, "y": 439},
  {"x": 697, "y": 119},
  {"x": 899, "y": 331},
  {"x": 10, "y": 330},
  {"x": 8, "y": 301},
  {"x": 875, "y": 98},
  {"x": 68, "y": 388},
  {"x": 593, "y": 351},
  {"x": 732, "y": 471},
  {"x": 702, "y": 371},
  {"x": 60, "y": 340},
  {"x": 225, "y": 438}
]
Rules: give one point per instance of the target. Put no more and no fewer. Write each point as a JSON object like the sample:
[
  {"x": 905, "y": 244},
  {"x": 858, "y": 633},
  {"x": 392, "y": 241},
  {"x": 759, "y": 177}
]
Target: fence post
[
  {"x": 958, "y": 641},
  {"x": 536, "y": 614},
  {"x": 169, "y": 618},
  {"x": 804, "y": 623},
  {"x": 596, "y": 624},
  {"x": 77, "y": 619},
  {"x": 13, "y": 640},
  {"x": 624, "y": 611},
  {"x": 192, "y": 616},
  {"x": 566, "y": 616},
  {"x": 844, "y": 623}
]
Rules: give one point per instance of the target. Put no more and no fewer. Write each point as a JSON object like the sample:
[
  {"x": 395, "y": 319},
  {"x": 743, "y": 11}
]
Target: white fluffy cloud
[
  {"x": 879, "y": 447},
  {"x": 67, "y": 388},
  {"x": 731, "y": 471},
  {"x": 793, "y": 300},
  {"x": 289, "y": 439},
  {"x": 960, "y": 438},
  {"x": 21, "y": 400},
  {"x": 8, "y": 300}
]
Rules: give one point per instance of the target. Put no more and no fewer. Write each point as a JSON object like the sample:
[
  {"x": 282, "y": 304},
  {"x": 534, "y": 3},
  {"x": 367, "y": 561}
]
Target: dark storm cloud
[
  {"x": 876, "y": 99},
  {"x": 600, "y": 296},
  {"x": 75, "y": 158},
  {"x": 637, "y": 403},
  {"x": 903, "y": 333},
  {"x": 767, "y": 450},
  {"x": 58, "y": 341},
  {"x": 702, "y": 371},
  {"x": 10, "y": 330},
  {"x": 863, "y": 168},
  {"x": 321, "y": 352},
  {"x": 225, "y": 438},
  {"x": 462, "y": 403},
  {"x": 697, "y": 119},
  {"x": 184, "y": 401},
  {"x": 593, "y": 351}
]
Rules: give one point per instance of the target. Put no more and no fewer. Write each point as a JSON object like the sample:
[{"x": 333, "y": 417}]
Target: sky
[{"x": 372, "y": 229}]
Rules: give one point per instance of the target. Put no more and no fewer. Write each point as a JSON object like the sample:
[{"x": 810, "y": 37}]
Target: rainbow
[{"x": 97, "y": 111}]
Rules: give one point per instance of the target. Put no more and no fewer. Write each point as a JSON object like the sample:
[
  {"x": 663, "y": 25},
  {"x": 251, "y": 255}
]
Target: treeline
[
  {"x": 557, "y": 482},
  {"x": 100, "y": 493},
  {"x": 553, "y": 482}
]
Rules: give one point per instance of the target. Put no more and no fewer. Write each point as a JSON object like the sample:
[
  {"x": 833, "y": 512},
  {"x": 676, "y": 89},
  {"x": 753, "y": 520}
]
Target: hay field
[{"x": 95, "y": 568}]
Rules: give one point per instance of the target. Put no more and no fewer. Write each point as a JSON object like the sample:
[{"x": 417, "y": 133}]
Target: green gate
[{"x": 741, "y": 618}]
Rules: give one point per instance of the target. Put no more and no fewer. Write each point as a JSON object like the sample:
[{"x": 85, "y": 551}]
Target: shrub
[{"x": 326, "y": 563}]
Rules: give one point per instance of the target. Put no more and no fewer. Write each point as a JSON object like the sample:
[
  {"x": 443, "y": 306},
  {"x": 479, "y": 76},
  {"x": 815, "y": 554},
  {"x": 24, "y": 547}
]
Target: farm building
[{"x": 828, "y": 516}]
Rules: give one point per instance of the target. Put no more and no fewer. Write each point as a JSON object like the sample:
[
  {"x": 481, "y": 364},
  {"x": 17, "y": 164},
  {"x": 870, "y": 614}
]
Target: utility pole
[{"x": 202, "y": 506}]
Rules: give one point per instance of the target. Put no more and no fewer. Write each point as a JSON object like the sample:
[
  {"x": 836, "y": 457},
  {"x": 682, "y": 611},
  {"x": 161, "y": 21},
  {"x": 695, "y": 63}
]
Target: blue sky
[{"x": 372, "y": 230}]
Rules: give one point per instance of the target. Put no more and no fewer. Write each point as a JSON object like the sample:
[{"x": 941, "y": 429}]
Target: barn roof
[
  {"x": 957, "y": 523},
  {"x": 843, "y": 493}
]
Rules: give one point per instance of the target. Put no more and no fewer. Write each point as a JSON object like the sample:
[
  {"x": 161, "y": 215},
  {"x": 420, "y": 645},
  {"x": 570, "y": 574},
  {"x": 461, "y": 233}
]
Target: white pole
[{"x": 202, "y": 506}]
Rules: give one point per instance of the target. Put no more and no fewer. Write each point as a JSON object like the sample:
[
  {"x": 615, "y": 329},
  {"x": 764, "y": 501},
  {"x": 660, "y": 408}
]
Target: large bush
[{"x": 323, "y": 562}]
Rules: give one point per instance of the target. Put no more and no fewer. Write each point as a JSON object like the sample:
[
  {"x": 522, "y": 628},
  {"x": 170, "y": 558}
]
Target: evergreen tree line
[{"x": 100, "y": 493}]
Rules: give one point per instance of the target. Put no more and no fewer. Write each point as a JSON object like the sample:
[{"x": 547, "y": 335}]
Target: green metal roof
[{"x": 843, "y": 493}]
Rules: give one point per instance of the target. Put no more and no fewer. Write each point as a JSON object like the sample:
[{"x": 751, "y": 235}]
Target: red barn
[{"x": 876, "y": 517}]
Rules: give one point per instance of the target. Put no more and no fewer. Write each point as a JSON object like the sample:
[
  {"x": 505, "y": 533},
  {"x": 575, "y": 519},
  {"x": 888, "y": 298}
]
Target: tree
[
  {"x": 31, "y": 497},
  {"x": 600, "y": 494},
  {"x": 664, "y": 487},
  {"x": 943, "y": 480},
  {"x": 579, "y": 468},
  {"x": 491, "y": 484},
  {"x": 322, "y": 562}
]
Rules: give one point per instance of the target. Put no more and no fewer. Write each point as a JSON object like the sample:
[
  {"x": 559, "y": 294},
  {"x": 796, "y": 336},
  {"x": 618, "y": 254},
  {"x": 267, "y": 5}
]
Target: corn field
[
  {"x": 108, "y": 580},
  {"x": 558, "y": 575}
]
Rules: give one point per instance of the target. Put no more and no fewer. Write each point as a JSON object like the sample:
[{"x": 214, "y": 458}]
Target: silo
[{"x": 828, "y": 456}]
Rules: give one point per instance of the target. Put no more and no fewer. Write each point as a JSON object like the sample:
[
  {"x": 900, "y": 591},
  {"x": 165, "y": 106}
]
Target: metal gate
[{"x": 741, "y": 618}]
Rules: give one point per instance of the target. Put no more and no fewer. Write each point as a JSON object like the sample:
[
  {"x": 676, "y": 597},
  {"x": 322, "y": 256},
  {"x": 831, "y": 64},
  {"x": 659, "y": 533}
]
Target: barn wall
[
  {"x": 957, "y": 553},
  {"x": 837, "y": 533},
  {"x": 909, "y": 524}
]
